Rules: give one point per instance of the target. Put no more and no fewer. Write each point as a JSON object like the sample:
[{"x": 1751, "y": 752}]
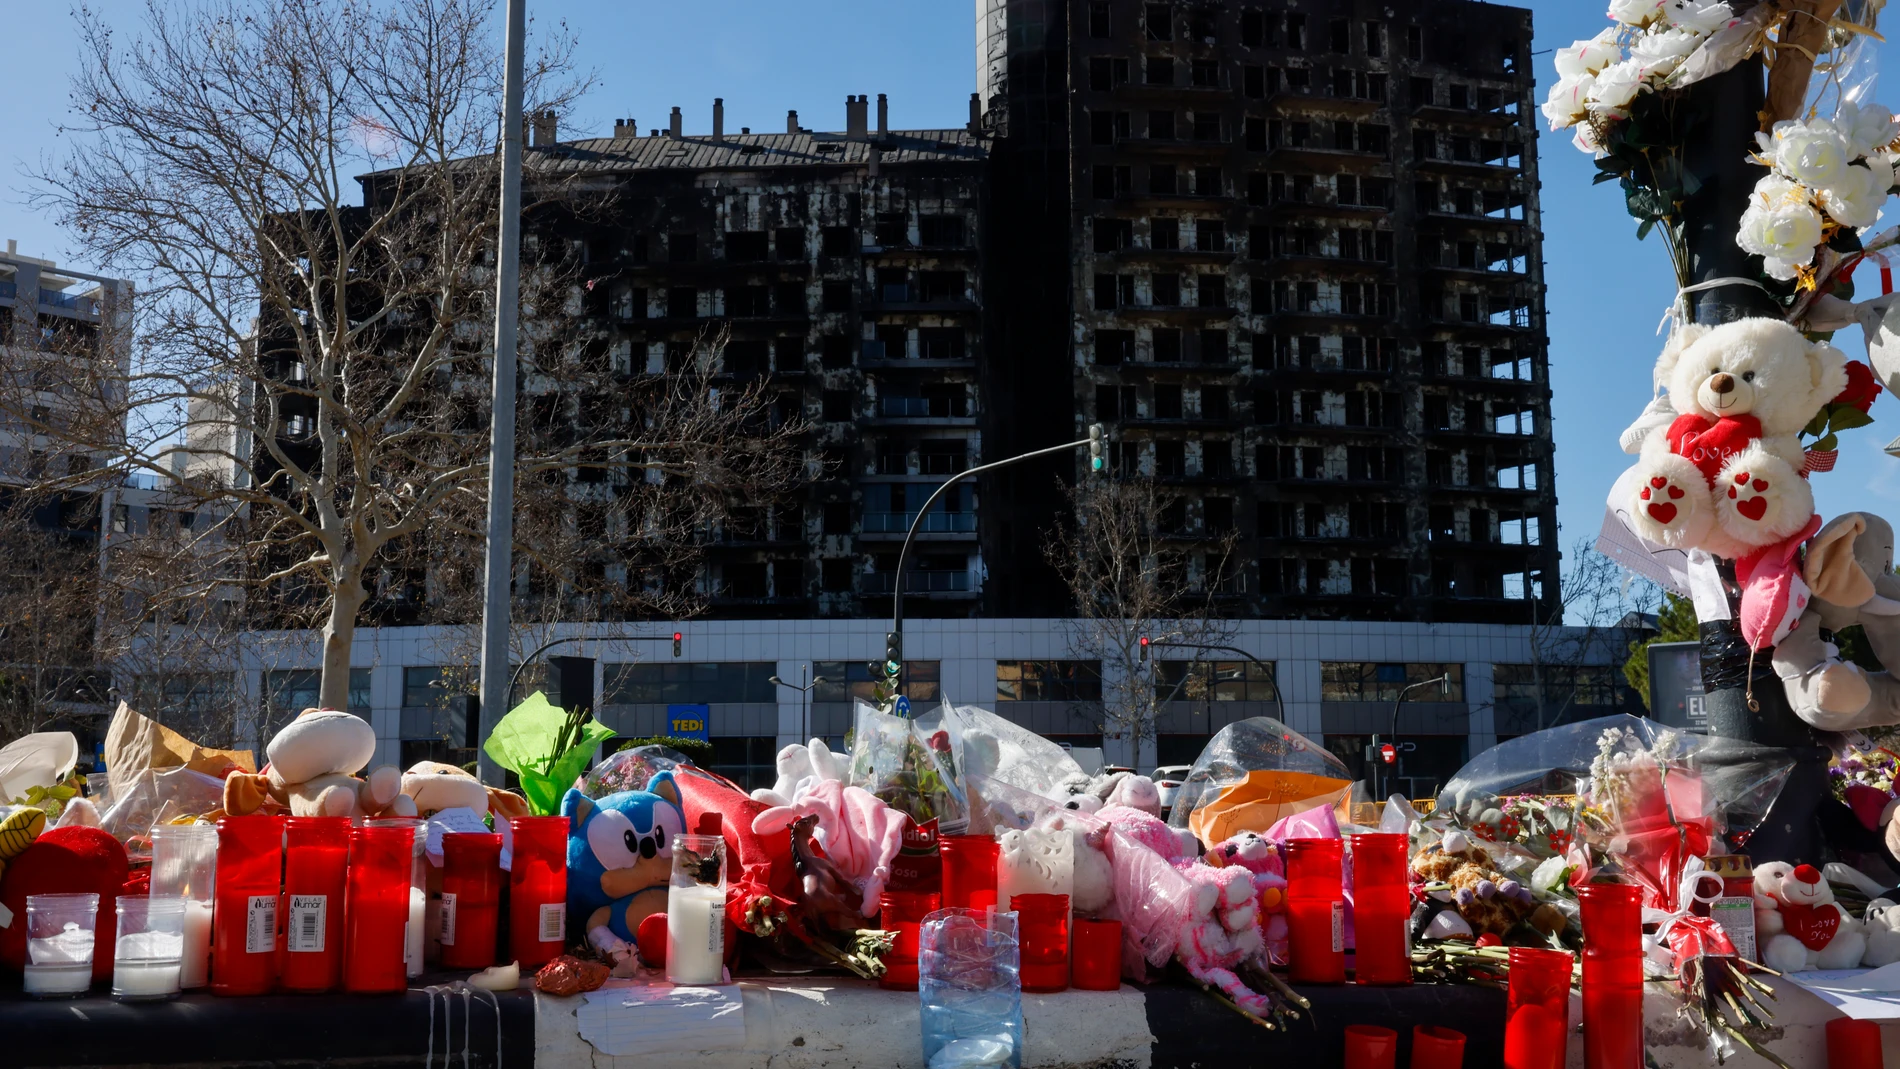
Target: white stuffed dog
[{"x": 1797, "y": 923}]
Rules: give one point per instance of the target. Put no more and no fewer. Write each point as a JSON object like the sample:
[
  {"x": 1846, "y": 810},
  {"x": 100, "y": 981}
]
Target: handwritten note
[{"x": 459, "y": 819}]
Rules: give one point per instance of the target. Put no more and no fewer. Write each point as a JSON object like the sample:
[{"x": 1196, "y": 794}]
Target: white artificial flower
[
  {"x": 1616, "y": 85},
  {"x": 1566, "y": 104},
  {"x": 1664, "y": 46},
  {"x": 1703, "y": 17},
  {"x": 1589, "y": 55},
  {"x": 1586, "y": 140},
  {"x": 1548, "y": 876},
  {"x": 1781, "y": 226},
  {"x": 1868, "y": 130},
  {"x": 1637, "y": 12},
  {"x": 1856, "y": 198},
  {"x": 1813, "y": 154}
]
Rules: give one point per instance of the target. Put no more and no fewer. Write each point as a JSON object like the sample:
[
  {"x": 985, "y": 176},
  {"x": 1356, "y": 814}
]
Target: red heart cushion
[
  {"x": 61, "y": 861},
  {"x": 1814, "y": 926},
  {"x": 1709, "y": 445}
]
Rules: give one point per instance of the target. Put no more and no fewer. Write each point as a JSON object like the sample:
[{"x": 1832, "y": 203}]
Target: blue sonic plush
[{"x": 620, "y": 860}]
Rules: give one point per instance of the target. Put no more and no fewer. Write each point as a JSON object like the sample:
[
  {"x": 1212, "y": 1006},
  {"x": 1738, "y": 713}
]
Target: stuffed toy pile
[{"x": 312, "y": 772}]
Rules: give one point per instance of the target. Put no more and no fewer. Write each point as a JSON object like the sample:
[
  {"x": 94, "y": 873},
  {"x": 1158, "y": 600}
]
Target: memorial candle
[{"x": 1316, "y": 911}]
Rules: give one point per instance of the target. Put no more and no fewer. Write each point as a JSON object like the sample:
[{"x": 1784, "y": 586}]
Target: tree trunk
[{"x": 339, "y": 634}]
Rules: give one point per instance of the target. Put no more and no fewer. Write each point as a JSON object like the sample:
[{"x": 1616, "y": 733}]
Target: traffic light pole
[
  {"x": 1272, "y": 678},
  {"x": 894, "y": 642}
]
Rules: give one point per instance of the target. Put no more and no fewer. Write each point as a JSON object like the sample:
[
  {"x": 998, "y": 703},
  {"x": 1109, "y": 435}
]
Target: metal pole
[
  {"x": 499, "y": 566},
  {"x": 1443, "y": 681}
]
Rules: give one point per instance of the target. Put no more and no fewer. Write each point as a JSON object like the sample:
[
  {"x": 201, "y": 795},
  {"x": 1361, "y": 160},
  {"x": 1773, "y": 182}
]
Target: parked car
[{"x": 1168, "y": 782}]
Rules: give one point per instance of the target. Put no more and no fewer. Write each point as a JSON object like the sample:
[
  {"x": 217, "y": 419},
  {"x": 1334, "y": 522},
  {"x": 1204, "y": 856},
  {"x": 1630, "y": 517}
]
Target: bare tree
[
  {"x": 325, "y": 361},
  {"x": 1134, "y": 568},
  {"x": 1578, "y": 648}
]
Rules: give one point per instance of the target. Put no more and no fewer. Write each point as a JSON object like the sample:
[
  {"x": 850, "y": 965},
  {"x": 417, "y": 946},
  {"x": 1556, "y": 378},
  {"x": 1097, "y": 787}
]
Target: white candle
[
  {"x": 695, "y": 934},
  {"x": 193, "y": 971},
  {"x": 416, "y": 930},
  {"x": 72, "y": 945},
  {"x": 59, "y": 979},
  {"x": 140, "y": 978}
]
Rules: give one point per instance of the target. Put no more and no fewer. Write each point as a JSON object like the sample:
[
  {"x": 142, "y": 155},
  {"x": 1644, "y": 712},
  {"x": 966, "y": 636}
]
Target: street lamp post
[
  {"x": 804, "y": 698},
  {"x": 1444, "y": 686}
]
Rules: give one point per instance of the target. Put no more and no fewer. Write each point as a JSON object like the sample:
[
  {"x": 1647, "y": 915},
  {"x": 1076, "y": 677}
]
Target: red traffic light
[
  {"x": 1388, "y": 753},
  {"x": 676, "y": 643},
  {"x": 1144, "y": 647}
]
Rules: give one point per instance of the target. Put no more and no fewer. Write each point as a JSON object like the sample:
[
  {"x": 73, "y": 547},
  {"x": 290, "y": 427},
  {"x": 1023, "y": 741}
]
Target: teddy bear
[
  {"x": 1798, "y": 925},
  {"x": 434, "y": 786},
  {"x": 1093, "y": 884},
  {"x": 1262, "y": 861},
  {"x": 312, "y": 772},
  {"x": 1727, "y": 473},
  {"x": 1127, "y": 789},
  {"x": 1463, "y": 881},
  {"x": 802, "y": 766},
  {"x": 620, "y": 860},
  {"x": 1849, "y": 568},
  {"x": 1882, "y": 921}
]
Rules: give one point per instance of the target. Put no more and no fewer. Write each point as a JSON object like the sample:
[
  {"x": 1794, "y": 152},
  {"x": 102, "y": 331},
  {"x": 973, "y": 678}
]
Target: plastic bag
[
  {"x": 996, "y": 751},
  {"x": 629, "y": 770},
  {"x": 167, "y": 797},
  {"x": 1253, "y": 773},
  {"x": 911, "y": 765}
]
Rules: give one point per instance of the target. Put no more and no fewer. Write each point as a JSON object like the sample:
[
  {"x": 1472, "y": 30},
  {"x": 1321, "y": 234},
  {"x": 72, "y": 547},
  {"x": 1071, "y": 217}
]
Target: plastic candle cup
[
  {"x": 150, "y": 949},
  {"x": 1042, "y": 922},
  {"x": 969, "y": 867},
  {"x": 537, "y": 890},
  {"x": 1612, "y": 975},
  {"x": 415, "y": 935},
  {"x": 185, "y": 863},
  {"x": 1316, "y": 911},
  {"x": 244, "y": 925},
  {"x": 316, "y": 865},
  {"x": 376, "y": 909},
  {"x": 1437, "y": 1047},
  {"x": 1369, "y": 1046},
  {"x": 471, "y": 899},
  {"x": 59, "y": 944},
  {"x": 1095, "y": 955},
  {"x": 1537, "y": 1014},
  {"x": 1853, "y": 1044},
  {"x": 903, "y": 912},
  {"x": 1381, "y": 911},
  {"x": 696, "y": 911}
]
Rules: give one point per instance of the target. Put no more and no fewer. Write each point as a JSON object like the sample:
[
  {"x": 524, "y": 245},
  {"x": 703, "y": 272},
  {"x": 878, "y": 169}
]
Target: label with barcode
[
  {"x": 1339, "y": 927},
  {"x": 445, "y": 932},
  {"x": 553, "y": 922},
  {"x": 305, "y": 934},
  {"x": 260, "y": 925}
]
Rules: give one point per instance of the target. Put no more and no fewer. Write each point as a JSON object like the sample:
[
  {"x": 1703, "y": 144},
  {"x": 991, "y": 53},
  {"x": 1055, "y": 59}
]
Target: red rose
[
  {"x": 1862, "y": 387},
  {"x": 940, "y": 741}
]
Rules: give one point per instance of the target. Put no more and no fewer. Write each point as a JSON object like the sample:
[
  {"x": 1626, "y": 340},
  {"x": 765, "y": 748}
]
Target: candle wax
[
  {"x": 415, "y": 931},
  {"x": 64, "y": 978},
  {"x": 73, "y": 944},
  {"x": 695, "y": 935},
  {"x": 194, "y": 971},
  {"x": 134, "y": 978}
]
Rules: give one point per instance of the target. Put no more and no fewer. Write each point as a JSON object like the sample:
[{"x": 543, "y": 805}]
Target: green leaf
[
  {"x": 568, "y": 766},
  {"x": 1605, "y": 176},
  {"x": 524, "y": 740},
  {"x": 1826, "y": 443},
  {"x": 1847, "y": 417},
  {"x": 1817, "y": 424},
  {"x": 1643, "y": 229},
  {"x": 542, "y": 793}
]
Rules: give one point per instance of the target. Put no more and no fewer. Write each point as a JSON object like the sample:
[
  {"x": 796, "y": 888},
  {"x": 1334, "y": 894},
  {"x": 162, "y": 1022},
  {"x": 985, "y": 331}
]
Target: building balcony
[
  {"x": 1282, "y": 207},
  {"x": 936, "y": 522},
  {"x": 1468, "y": 167},
  {"x": 920, "y": 582},
  {"x": 1184, "y": 314},
  {"x": 1331, "y": 266},
  {"x": 1156, "y": 368},
  {"x": 1445, "y": 114},
  {"x": 73, "y": 303},
  {"x": 1327, "y": 160},
  {"x": 1315, "y": 100}
]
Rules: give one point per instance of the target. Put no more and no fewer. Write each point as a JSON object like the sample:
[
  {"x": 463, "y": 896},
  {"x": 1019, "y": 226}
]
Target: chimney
[
  {"x": 719, "y": 118},
  {"x": 544, "y": 126},
  {"x": 673, "y": 127},
  {"x": 883, "y": 115},
  {"x": 976, "y": 114},
  {"x": 857, "y": 116},
  {"x": 626, "y": 128},
  {"x": 791, "y": 122}
]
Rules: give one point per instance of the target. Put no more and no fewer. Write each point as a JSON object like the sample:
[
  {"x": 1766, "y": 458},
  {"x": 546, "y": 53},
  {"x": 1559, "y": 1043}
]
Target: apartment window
[
  {"x": 1375, "y": 39},
  {"x": 846, "y": 681},
  {"x": 1296, "y": 32},
  {"x": 1115, "y": 403},
  {"x": 1414, "y": 42},
  {"x": 1252, "y": 28},
  {"x": 1210, "y": 235},
  {"x": 1161, "y": 125},
  {"x": 1341, "y": 35},
  {"x": 1114, "y": 347},
  {"x": 837, "y": 241},
  {"x": 1211, "y": 291},
  {"x": 288, "y": 693},
  {"x": 746, "y": 245},
  {"x": 1214, "y": 349},
  {"x": 1374, "y": 138},
  {"x": 1214, "y": 404},
  {"x": 834, "y": 575},
  {"x": 1253, "y": 82},
  {"x": 1098, "y": 19},
  {"x": 1164, "y": 234},
  {"x": 888, "y": 342},
  {"x": 1362, "y": 681},
  {"x": 1206, "y": 73},
  {"x": 1167, "y": 290},
  {"x": 836, "y": 297},
  {"x": 1221, "y": 681},
  {"x": 1217, "y": 459},
  {"x": 839, "y": 406},
  {"x": 748, "y": 301},
  {"x": 941, "y": 231},
  {"x": 1113, "y": 235},
  {"x": 682, "y": 248},
  {"x": 1170, "y": 459},
  {"x": 1114, "y": 291},
  {"x": 1168, "y": 402},
  {"x": 1108, "y": 181},
  {"x": 1048, "y": 681},
  {"x": 940, "y": 343},
  {"x": 1107, "y": 127},
  {"x": 1159, "y": 70},
  {"x": 791, "y": 243},
  {"x": 423, "y": 688},
  {"x": 1161, "y": 178},
  {"x": 1101, "y": 74},
  {"x": 1207, "y": 182},
  {"x": 1207, "y": 126},
  {"x": 669, "y": 682},
  {"x": 682, "y": 302},
  {"x": 941, "y": 286},
  {"x": 834, "y": 352},
  {"x": 1160, "y": 21}
]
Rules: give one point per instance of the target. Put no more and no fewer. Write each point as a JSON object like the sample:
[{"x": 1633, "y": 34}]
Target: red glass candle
[
  {"x": 244, "y": 918},
  {"x": 1369, "y": 1046},
  {"x": 903, "y": 912},
  {"x": 537, "y": 890},
  {"x": 1612, "y": 916},
  {"x": 1316, "y": 911},
  {"x": 969, "y": 868},
  {"x": 1042, "y": 927},
  {"x": 1433, "y": 1046},
  {"x": 1381, "y": 909},
  {"x": 316, "y": 859},
  {"x": 1537, "y": 1014},
  {"x": 471, "y": 899},
  {"x": 376, "y": 925},
  {"x": 1095, "y": 955},
  {"x": 1853, "y": 1044}
]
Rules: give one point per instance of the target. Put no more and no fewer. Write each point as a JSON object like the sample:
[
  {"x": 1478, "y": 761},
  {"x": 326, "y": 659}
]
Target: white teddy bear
[
  {"x": 799, "y": 769},
  {"x": 1725, "y": 473},
  {"x": 1883, "y": 933},
  {"x": 1797, "y": 923}
]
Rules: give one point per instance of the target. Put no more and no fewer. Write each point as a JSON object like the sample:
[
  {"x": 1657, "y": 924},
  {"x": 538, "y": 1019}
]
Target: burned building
[{"x": 1298, "y": 247}]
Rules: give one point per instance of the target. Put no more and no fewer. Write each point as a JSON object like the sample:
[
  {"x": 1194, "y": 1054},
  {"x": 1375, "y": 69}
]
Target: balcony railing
[
  {"x": 934, "y": 523},
  {"x": 923, "y": 407},
  {"x": 919, "y": 583},
  {"x": 71, "y": 301}
]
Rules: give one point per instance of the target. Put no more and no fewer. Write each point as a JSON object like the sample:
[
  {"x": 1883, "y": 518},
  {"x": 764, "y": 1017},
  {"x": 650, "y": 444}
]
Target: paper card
[
  {"x": 628, "y": 1018},
  {"x": 460, "y": 819},
  {"x": 1865, "y": 994}
]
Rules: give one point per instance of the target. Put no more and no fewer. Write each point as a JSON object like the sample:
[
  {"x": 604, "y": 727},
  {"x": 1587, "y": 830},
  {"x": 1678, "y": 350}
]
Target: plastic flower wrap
[
  {"x": 1253, "y": 773},
  {"x": 911, "y": 766},
  {"x": 629, "y": 770}
]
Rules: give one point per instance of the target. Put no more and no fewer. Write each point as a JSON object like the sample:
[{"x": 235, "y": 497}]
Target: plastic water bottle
[{"x": 971, "y": 989}]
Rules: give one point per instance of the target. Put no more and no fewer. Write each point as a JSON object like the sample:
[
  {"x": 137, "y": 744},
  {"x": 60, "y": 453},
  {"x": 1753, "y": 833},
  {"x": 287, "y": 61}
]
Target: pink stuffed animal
[{"x": 1262, "y": 859}]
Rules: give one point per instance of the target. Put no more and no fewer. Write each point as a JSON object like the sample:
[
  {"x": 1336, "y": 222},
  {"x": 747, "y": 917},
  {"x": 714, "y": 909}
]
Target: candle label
[
  {"x": 1339, "y": 927},
  {"x": 553, "y": 922},
  {"x": 1736, "y": 915},
  {"x": 445, "y": 932},
  {"x": 260, "y": 925},
  {"x": 306, "y": 932}
]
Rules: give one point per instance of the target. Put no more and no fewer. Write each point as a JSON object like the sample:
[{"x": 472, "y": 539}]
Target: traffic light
[
  {"x": 676, "y": 643},
  {"x": 1098, "y": 447},
  {"x": 1144, "y": 649},
  {"x": 893, "y": 652}
]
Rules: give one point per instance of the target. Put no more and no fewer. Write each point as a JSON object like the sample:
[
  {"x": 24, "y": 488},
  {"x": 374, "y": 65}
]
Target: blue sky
[{"x": 1606, "y": 288}]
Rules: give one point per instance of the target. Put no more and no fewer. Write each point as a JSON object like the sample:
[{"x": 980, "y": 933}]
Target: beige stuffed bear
[
  {"x": 312, "y": 772},
  {"x": 1725, "y": 474},
  {"x": 1849, "y": 567},
  {"x": 434, "y": 786}
]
